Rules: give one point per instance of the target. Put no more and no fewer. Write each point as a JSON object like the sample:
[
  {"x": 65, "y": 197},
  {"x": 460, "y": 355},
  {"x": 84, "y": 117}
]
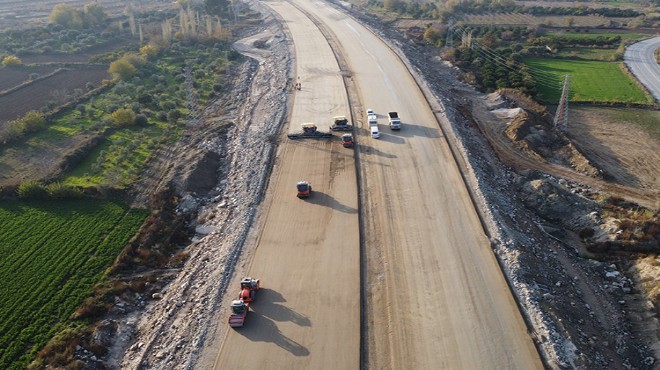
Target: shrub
[
  {"x": 32, "y": 189},
  {"x": 58, "y": 190},
  {"x": 122, "y": 69},
  {"x": 168, "y": 105},
  {"x": 12, "y": 61},
  {"x": 138, "y": 61},
  {"x": 32, "y": 121},
  {"x": 174, "y": 115},
  {"x": 141, "y": 119},
  {"x": 149, "y": 51},
  {"x": 66, "y": 16},
  {"x": 123, "y": 117}
]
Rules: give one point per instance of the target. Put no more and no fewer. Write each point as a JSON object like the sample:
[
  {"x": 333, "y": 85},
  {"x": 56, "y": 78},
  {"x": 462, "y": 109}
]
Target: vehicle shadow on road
[
  {"x": 324, "y": 199},
  {"x": 371, "y": 150},
  {"x": 411, "y": 130},
  {"x": 392, "y": 137},
  {"x": 268, "y": 307},
  {"x": 260, "y": 328}
]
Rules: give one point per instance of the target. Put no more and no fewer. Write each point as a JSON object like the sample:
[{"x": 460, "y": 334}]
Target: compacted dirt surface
[
  {"x": 402, "y": 268},
  {"x": 307, "y": 251}
]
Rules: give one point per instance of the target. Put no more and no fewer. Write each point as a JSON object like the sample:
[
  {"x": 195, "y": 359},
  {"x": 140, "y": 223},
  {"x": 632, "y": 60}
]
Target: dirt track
[{"x": 308, "y": 252}]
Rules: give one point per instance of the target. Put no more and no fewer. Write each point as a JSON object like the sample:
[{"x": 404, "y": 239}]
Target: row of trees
[
  {"x": 491, "y": 74},
  {"x": 580, "y": 11},
  {"x": 455, "y": 8}
]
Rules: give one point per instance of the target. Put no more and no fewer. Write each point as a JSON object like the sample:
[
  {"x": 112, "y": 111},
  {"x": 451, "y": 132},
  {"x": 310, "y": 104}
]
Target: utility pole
[
  {"x": 449, "y": 43},
  {"x": 561, "y": 116}
]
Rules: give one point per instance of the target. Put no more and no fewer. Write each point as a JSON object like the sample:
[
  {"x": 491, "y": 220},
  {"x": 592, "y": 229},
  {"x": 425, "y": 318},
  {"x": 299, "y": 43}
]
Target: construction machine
[
  {"x": 341, "y": 124},
  {"x": 241, "y": 306},
  {"x": 347, "y": 140},
  {"x": 310, "y": 130},
  {"x": 304, "y": 189}
]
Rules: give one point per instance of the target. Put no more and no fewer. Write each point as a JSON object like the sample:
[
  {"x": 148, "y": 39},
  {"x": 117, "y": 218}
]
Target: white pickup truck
[
  {"x": 372, "y": 118},
  {"x": 395, "y": 121}
]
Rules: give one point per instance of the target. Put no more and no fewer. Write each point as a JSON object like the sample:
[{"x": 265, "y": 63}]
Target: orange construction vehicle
[
  {"x": 347, "y": 140},
  {"x": 304, "y": 189},
  {"x": 241, "y": 306}
]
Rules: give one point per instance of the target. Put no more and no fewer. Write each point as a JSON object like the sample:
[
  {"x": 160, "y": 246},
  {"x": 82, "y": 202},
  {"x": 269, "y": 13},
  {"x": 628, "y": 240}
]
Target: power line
[{"x": 541, "y": 76}]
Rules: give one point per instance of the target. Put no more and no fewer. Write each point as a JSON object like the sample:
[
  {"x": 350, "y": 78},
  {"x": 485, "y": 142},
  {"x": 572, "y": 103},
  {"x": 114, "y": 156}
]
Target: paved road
[
  {"x": 436, "y": 296},
  {"x": 641, "y": 61}
]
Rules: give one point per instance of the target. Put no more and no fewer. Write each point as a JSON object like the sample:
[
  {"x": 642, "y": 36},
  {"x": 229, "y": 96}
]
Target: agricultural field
[
  {"x": 569, "y": 4},
  {"x": 121, "y": 156},
  {"x": 508, "y": 19},
  {"x": 60, "y": 87},
  {"x": 593, "y": 35},
  {"x": 587, "y": 82},
  {"x": 159, "y": 92},
  {"x": 51, "y": 255}
]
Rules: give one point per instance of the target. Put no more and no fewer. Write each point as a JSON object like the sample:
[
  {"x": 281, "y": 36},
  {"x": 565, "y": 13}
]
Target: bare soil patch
[
  {"x": 624, "y": 151},
  {"x": 35, "y": 96},
  {"x": 82, "y": 57},
  {"x": 12, "y": 77}
]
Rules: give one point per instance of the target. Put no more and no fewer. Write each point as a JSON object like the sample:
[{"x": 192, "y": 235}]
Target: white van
[{"x": 374, "y": 132}]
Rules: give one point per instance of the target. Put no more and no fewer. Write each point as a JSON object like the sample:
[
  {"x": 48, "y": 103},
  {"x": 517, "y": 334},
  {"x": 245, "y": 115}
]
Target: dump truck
[
  {"x": 241, "y": 306},
  {"x": 395, "y": 121},
  {"x": 341, "y": 124},
  {"x": 304, "y": 189},
  {"x": 310, "y": 130}
]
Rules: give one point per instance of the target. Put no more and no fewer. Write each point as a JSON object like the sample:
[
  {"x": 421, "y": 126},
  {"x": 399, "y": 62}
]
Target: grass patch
[
  {"x": 588, "y": 54},
  {"x": 595, "y": 35},
  {"x": 591, "y": 81},
  {"x": 122, "y": 155},
  {"x": 51, "y": 255}
]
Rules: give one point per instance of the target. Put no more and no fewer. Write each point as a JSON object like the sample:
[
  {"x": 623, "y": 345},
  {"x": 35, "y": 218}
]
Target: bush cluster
[
  {"x": 35, "y": 190},
  {"x": 30, "y": 122}
]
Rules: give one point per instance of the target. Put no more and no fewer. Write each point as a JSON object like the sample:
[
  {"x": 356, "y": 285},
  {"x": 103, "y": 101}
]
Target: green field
[
  {"x": 595, "y": 35},
  {"x": 591, "y": 81},
  {"x": 121, "y": 156},
  {"x": 51, "y": 255}
]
